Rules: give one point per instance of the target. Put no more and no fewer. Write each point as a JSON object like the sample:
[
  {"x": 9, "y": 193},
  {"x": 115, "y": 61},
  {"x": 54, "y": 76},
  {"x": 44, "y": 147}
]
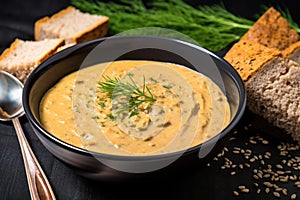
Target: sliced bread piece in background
[
  {"x": 272, "y": 30},
  {"x": 272, "y": 83},
  {"x": 24, "y": 56},
  {"x": 71, "y": 25}
]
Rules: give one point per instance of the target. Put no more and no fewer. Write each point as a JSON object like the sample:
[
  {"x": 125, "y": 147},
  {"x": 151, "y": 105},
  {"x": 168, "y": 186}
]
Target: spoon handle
[{"x": 39, "y": 186}]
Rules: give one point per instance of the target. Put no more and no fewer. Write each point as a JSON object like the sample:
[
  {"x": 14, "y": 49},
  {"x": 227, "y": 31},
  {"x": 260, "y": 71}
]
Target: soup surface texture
[{"x": 134, "y": 108}]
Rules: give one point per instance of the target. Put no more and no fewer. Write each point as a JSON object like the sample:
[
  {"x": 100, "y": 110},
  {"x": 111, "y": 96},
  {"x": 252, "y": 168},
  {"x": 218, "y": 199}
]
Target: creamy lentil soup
[{"x": 134, "y": 108}]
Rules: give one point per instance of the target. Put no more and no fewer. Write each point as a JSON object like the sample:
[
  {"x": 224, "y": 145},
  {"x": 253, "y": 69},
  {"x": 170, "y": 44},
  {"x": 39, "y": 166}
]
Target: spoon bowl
[
  {"x": 10, "y": 109},
  {"x": 10, "y": 97}
]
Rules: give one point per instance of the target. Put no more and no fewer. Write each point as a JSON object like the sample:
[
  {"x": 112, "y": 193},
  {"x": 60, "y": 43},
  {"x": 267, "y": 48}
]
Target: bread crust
[
  {"x": 272, "y": 30},
  {"x": 99, "y": 29},
  {"x": 38, "y": 23},
  {"x": 52, "y": 51},
  {"x": 37, "y": 27},
  {"x": 248, "y": 57},
  {"x": 9, "y": 50},
  {"x": 291, "y": 49},
  {"x": 22, "y": 70}
]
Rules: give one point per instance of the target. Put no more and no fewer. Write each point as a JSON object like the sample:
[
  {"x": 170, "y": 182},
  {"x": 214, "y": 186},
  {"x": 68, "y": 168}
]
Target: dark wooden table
[{"x": 216, "y": 180}]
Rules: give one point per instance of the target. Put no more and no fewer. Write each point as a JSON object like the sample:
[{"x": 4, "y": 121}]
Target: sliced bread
[
  {"x": 272, "y": 83},
  {"x": 24, "y": 56},
  {"x": 272, "y": 30},
  {"x": 71, "y": 25},
  {"x": 293, "y": 52}
]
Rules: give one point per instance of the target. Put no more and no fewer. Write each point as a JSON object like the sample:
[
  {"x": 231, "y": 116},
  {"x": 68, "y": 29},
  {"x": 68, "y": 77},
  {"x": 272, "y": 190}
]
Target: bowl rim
[{"x": 57, "y": 57}]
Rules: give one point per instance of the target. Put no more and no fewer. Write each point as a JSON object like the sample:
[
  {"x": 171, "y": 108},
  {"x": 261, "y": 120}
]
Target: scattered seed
[
  {"x": 258, "y": 191},
  {"x": 285, "y": 192},
  {"x": 255, "y": 177},
  {"x": 247, "y": 165},
  {"x": 241, "y": 187},
  {"x": 293, "y": 196},
  {"x": 279, "y": 166},
  {"x": 267, "y": 190},
  {"x": 265, "y": 142},
  {"x": 236, "y": 193},
  {"x": 276, "y": 194},
  {"x": 268, "y": 184},
  {"x": 236, "y": 152},
  {"x": 245, "y": 190},
  {"x": 252, "y": 142}
]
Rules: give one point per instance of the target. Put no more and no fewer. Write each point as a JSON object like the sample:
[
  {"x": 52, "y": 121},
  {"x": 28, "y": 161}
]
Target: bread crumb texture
[
  {"x": 72, "y": 25},
  {"x": 274, "y": 94},
  {"x": 24, "y": 56}
]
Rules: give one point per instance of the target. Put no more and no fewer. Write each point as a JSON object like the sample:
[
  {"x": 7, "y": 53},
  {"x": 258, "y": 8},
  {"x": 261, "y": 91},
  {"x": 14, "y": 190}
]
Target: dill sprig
[
  {"x": 128, "y": 95},
  {"x": 213, "y": 27}
]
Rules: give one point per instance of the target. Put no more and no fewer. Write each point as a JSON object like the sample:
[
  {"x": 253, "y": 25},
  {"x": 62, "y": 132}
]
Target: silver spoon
[{"x": 10, "y": 109}]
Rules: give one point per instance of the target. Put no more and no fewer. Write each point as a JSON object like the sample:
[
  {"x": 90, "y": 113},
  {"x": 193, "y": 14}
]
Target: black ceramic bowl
[{"x": 103, "y": 166}]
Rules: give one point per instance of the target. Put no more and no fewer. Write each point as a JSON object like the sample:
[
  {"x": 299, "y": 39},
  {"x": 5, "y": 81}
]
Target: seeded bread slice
[
  {"x": 23, "y": 56},
  {"x": 272, "y": 83},
  {"x": 272, "y": 30},
  {"x": 72, "y": 25},
  {"x": 249, "y": 57}
]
